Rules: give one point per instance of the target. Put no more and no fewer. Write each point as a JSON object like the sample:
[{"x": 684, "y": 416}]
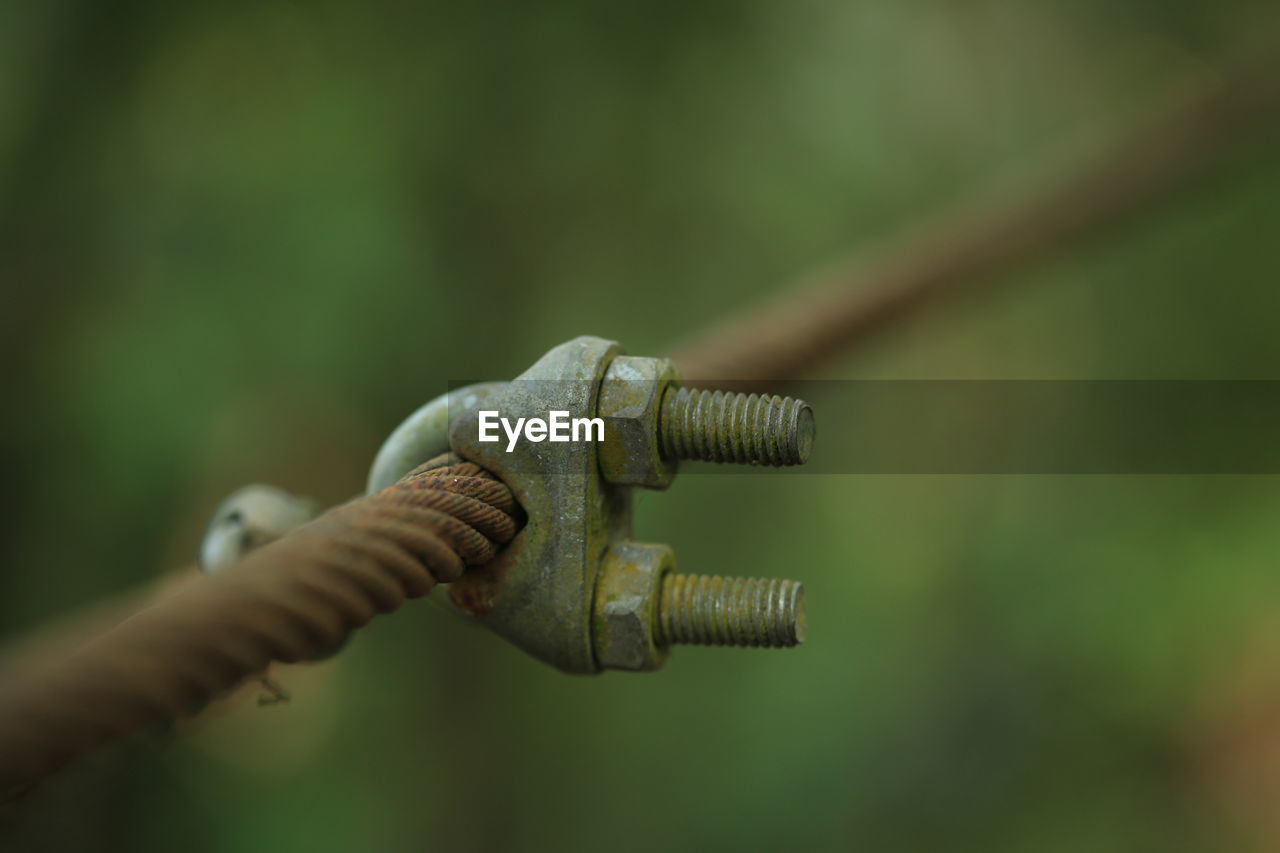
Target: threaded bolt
[
  {"x": 719, "y": 426},
  {"x": 714, "y": 611}
]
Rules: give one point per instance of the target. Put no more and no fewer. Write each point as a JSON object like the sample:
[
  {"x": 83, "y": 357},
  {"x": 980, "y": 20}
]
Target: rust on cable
[{"x": 296, "y": 599}]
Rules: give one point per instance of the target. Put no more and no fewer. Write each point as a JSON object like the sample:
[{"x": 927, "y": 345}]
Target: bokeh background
[{"x": 240, "y": 241}]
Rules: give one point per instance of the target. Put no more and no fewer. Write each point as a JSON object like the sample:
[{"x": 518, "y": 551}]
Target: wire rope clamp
[{"x": 573, "y": 589}]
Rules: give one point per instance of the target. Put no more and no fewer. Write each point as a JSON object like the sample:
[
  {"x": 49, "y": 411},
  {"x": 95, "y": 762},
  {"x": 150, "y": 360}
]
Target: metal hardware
[
  {"x": 573, "y": 589},
  {"x": 248, "y": 518}
]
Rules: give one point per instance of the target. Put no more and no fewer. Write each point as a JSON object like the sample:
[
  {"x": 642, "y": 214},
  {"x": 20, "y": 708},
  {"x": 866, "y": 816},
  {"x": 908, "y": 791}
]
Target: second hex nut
[{"x": 624, "y": 617}]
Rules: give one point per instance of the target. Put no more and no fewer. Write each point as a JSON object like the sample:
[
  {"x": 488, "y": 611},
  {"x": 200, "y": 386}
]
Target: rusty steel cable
[
  {"x": 847, "y": 302},
  {"x": 296, "y": 599}
]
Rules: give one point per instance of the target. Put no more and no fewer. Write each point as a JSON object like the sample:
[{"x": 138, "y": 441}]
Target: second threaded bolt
[{"x": 715, "y": 611}]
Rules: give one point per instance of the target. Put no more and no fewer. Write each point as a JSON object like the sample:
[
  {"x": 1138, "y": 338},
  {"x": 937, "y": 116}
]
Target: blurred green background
[{"x": 240, "y": 241}]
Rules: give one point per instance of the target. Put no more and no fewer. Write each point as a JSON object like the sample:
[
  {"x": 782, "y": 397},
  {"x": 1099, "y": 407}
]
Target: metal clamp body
[{"x": 572, "y": 589}]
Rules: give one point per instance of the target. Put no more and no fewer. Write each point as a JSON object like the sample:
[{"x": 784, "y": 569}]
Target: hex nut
[
  {"x": 630, "y": 404},
  {"x": 623, "y": 629}
]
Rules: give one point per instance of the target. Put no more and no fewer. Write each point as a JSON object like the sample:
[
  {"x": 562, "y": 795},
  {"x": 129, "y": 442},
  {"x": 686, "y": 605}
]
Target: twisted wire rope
[{"x": 295, "y": 599}]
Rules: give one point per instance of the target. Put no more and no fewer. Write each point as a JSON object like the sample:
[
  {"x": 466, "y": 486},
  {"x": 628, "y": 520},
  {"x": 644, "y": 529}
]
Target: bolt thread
[
  {"x": 710, "y": 610},
  {"x": 719, "y": 426}
]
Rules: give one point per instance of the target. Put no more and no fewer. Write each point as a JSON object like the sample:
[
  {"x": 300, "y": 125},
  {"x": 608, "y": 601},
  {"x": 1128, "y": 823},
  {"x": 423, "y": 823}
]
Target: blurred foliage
[{"x": 240, "y": 241}]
